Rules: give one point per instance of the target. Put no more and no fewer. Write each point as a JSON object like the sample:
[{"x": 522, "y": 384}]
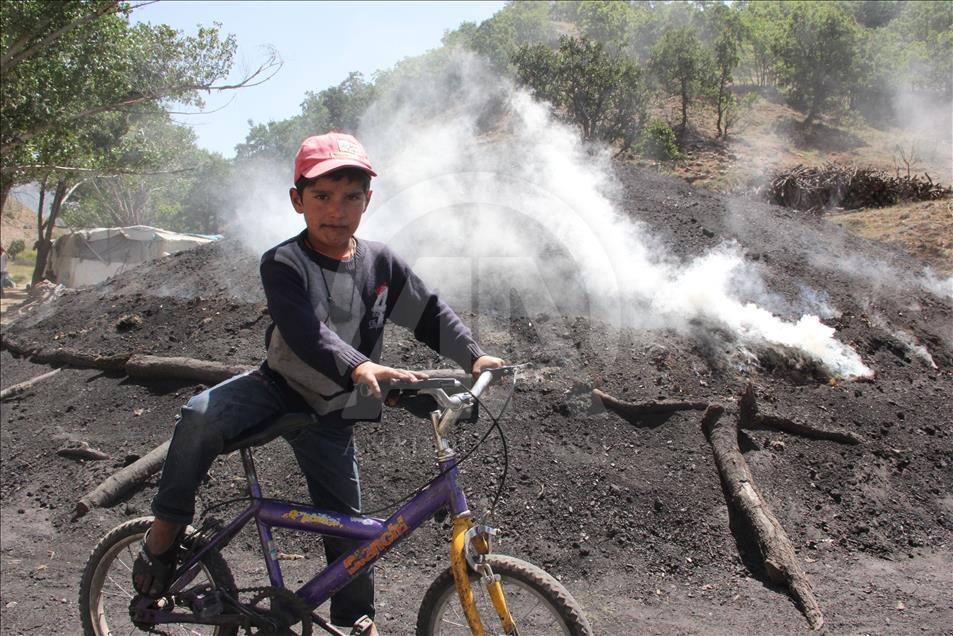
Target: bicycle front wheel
[
  {"x": 106, "y": 589},
  {"x": 539, "y": 604}
]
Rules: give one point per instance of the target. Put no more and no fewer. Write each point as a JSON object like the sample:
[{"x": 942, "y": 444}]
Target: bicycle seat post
[{"x": 251, "y": 475}]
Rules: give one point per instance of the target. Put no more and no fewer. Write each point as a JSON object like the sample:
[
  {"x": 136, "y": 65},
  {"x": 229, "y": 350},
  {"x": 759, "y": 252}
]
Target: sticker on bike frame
[
  {"x": 310, "y": 517},
  {"x": 360, "y": 558}
]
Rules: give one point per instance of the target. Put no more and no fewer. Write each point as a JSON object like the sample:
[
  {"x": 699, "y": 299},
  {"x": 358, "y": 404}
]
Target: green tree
[
  {"x": 610, "y": 23},
  {"x": 68, "y": 64},
  {"x": 726, "y": 54},
  {"x": 874, "y": 14},
  {"x": 817, "y": 50},
  {"x": 336, "y": 108},
  {"x": 161, "y": 167},
  {"x": 923, "y": 37},
  {"x": 76, "y": 75},
  {"x": 761, "y": 22},
  {"x": 498, "y": 38},
  {"x": 680, "y": 64},
  {"x": 606, "y": 96}
]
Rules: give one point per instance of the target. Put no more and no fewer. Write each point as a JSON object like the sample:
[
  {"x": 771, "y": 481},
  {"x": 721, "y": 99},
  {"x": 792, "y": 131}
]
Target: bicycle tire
[
  {"x": 540, "y": 605},
  {"x": 124, "y": 540}
]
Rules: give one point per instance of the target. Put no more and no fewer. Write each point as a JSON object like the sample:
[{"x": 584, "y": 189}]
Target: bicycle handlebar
[{"x": 437, "y": 387}]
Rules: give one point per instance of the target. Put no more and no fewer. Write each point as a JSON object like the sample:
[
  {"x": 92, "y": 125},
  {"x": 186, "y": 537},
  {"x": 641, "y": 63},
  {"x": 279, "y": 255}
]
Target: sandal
[{"x": 152, "y": 573}]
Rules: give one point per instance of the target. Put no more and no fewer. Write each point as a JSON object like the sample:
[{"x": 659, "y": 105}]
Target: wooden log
[
  {"x": 82, "y": 450},
  {"x": 205, "y": 371},
  {"x": 17, "y": 389},
  {"x": 772, "y": 543},
  {"x": 122, "y": 481},
  {"x": 79, "y": 359},
  {"x": 635, "y": 410},
  {"x": 751, "y": 418},
  {"x": 778, "y": 423}
]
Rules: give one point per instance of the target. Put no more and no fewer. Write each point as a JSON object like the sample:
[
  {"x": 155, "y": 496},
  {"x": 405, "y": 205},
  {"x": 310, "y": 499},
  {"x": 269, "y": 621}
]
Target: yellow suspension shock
[
  {"x": 458, "y": 559},
  {"x": 458, "y": 564}
]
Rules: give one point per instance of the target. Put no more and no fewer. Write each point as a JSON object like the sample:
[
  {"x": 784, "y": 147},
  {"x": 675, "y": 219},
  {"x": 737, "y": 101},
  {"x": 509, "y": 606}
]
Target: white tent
[{"x": 87, "y": 257}]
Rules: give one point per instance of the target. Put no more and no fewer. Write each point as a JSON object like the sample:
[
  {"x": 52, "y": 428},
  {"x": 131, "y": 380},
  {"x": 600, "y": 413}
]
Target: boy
[{"x": 329, "y": 295}]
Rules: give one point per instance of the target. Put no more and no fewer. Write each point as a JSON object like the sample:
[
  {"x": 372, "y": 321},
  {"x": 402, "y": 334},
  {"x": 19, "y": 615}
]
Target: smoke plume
[{"x": 503, "y": 209}]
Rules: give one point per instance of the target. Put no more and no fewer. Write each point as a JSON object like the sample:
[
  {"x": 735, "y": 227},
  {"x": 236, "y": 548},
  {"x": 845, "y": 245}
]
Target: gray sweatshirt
[{"x": 328, "y": 318}]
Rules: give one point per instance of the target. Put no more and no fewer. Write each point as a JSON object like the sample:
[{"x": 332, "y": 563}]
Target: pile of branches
[{"x": 849, "y": 188}]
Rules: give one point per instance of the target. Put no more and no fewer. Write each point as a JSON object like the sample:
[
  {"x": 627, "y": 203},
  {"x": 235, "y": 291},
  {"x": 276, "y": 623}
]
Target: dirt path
[{"x": 11, "y": 299}]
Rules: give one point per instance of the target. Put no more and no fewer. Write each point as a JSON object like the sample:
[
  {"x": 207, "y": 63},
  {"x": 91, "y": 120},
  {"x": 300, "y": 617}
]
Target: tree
[
  {"x": 874, "y": 14},
  {"x": 498, "y": 38},
  {"x": 680, "y": 63},
  {"x": 67, "y": 63},
  {"x": 817, "y": 52},
  {"x": 726, "y": 55},
  {"x": 160, "y": 167},
  {"x": 607, "y": 22},
  {"x": 336, "y": 108},
  {"x": 76, "y": 75},
  {"x": 604, "y": 95},
  {"x": 761, "y": 22}
]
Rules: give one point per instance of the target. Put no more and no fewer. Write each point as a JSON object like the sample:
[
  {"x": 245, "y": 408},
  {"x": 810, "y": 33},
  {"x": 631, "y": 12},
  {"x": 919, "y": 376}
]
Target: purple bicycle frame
[{"x": 378, "y": 536}]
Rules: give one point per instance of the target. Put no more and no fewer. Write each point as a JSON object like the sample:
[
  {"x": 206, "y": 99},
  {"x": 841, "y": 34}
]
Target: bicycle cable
[{"x": 495, "y": 424}]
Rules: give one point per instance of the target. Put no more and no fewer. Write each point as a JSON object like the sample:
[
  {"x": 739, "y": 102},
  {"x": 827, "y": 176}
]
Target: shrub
[
  {"x": 15, "y": 248},
  {"x": 658, "y": 141}
]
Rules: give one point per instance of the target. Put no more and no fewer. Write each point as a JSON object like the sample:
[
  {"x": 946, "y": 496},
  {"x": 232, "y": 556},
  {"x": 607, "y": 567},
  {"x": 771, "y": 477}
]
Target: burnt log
[
  {"x": 635, "y": 410},
  {"x": 778, "y": 423},
  {"x": 148, "y": 367},
  {"x": 19, "y": 388},
  {"x": 772, "y": 544},
  {"x": 123, "y": 481}
]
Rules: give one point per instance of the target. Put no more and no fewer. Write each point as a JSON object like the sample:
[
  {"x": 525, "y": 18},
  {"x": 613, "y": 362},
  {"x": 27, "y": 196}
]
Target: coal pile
[{"x": 631, "y": 515}]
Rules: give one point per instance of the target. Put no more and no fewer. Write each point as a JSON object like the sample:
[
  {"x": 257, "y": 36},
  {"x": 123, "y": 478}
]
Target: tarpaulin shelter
[{"x": 87, "y": 257}]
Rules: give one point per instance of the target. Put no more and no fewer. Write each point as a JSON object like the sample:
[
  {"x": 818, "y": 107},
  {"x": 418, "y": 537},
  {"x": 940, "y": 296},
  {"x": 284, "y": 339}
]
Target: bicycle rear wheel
[
  {"x": 106, "y": 588},
  {"x": 540, "y": 605}
]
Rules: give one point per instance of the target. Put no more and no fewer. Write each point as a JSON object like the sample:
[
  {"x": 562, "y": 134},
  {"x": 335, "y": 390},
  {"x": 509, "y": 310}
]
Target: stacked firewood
[{"x": 849, "y": 188}]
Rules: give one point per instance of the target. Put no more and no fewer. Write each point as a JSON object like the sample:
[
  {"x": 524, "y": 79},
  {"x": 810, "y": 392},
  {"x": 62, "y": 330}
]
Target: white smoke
[
  {"x": 529, "y": 207},
  {"x": 487, "y": 197}
]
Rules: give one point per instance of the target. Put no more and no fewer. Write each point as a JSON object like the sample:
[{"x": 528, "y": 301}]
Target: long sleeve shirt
[{"x": 329, "y": 315}]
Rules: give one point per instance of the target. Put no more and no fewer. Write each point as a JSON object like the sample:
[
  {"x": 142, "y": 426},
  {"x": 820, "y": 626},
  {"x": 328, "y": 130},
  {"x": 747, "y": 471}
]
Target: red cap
[{"x": 322, "y": 154}]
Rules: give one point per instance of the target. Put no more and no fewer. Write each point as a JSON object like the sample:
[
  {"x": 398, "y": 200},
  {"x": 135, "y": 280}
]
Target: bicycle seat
[{"x": 269, "y": 429}]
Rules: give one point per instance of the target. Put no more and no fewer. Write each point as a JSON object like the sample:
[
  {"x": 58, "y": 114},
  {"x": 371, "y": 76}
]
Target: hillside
[
  {"x": 630, "y": 515},
  {"x": 768, "y": 139},
  {"x": 17, "y": 222}
]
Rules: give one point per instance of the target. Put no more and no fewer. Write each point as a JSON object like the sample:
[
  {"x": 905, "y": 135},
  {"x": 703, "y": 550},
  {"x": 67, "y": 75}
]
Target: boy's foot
[
  {"x": 364, "y": 627},
  {"x": 152, "y": 573}
]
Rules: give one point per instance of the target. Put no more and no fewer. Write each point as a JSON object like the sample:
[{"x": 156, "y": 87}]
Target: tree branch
[{"x": 273, "y": 64}]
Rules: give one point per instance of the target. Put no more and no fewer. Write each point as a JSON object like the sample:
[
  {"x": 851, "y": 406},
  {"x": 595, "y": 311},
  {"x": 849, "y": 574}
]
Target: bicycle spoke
[
  {"x": 121, "y": 588},
  {"x": 123, "y": 564}
]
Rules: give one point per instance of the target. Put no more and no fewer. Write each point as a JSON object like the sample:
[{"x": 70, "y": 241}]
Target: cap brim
[{"x": 330, "y": 165}]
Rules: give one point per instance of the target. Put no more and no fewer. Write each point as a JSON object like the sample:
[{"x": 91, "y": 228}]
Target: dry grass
[{"x": 924, "y": 229}]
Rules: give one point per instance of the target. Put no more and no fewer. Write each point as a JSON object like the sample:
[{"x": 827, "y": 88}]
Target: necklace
[
  {"x": 338, "y": 315},
  {"x": 351, "y": 248}
]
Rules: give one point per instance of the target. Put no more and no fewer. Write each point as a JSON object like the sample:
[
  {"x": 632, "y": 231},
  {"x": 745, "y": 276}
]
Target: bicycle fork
[{"x": 470, "y": 544}]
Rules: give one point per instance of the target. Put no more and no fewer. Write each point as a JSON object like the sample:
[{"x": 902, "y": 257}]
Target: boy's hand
[
  {"x": 486, "y": 362},
  {"x": 369, "y": 373}
]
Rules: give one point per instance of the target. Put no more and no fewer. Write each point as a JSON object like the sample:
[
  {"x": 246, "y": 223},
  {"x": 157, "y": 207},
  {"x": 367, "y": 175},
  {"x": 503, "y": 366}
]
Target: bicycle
[{"x": 204, "y": 595}]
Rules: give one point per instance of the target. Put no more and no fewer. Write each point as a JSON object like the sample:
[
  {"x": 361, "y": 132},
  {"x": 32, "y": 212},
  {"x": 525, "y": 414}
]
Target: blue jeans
[{"x": 325, "y": 454}]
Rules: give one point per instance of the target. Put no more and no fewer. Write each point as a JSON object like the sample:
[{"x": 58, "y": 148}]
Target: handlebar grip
[{"x": 404, "y": 385}]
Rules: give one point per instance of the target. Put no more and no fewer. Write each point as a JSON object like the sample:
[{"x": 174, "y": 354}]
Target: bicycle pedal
[{"x": 364, "y": 627}]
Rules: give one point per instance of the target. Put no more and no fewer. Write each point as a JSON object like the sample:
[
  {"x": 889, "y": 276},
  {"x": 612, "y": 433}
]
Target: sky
[{"x": 319, "y": 44}]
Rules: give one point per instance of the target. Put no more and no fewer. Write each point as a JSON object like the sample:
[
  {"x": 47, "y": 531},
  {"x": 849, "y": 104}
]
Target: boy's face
[{"x": 332, "y": 210}]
